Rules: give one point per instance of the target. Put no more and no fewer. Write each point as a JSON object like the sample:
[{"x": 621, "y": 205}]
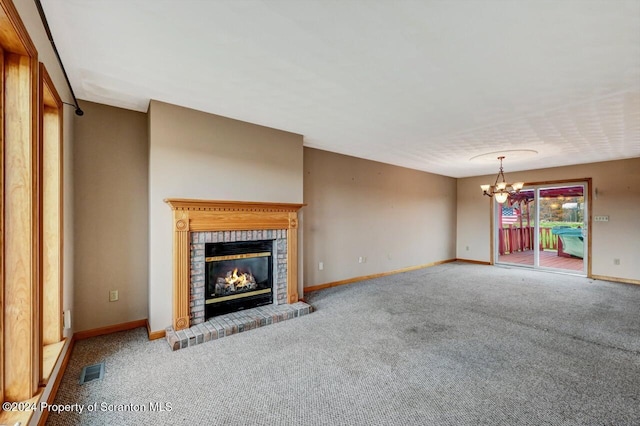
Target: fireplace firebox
[{"x": 238, "y": 275}]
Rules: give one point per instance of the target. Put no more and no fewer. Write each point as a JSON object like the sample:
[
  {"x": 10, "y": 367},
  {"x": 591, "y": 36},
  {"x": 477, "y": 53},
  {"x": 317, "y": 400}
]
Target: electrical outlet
[
  {"x": 113, "y": 295},
  {"x": 364, "y": 259},
  {"x": 360, "y": 259},
  {"x": 320, "y": 266},
  {"x": 467, "y": 248},
  {"x": 601, "y": 218},
  {"x": 616, "y": 261}
]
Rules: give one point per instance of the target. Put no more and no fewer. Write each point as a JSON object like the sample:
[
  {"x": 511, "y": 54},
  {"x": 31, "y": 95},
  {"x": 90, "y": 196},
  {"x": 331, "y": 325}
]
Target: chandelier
[{"x": 502, "y": 190}]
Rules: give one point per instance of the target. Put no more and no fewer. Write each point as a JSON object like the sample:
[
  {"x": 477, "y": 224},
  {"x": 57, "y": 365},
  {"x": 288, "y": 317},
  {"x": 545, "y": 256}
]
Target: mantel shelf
[{"x": 219, "y": 205}]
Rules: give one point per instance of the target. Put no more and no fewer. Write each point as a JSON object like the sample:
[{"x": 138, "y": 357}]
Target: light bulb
[{"x": 501, "y": 197}]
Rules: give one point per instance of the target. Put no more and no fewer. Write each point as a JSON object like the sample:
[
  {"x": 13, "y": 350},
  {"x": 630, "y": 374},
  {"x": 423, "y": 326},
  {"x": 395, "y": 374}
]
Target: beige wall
[
  {"x": 29, "y": 15},
  {"x": 395, "y": 217},
  {"x": 618, "y": 186},
  {"x": 205, "y": 156},
  {"x": 111, "y": 216}
]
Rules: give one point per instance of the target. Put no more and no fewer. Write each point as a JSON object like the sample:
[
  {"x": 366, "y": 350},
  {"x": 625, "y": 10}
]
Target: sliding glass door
[{"x": 544, "y": 227}]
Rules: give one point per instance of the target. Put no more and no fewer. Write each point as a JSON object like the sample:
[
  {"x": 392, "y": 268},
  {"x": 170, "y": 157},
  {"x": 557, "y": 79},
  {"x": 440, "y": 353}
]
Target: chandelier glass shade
[{"x": 501, "y": 190}]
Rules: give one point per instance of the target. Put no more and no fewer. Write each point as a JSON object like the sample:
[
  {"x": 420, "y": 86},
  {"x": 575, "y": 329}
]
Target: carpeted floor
[{"x": 455, "y": 344}]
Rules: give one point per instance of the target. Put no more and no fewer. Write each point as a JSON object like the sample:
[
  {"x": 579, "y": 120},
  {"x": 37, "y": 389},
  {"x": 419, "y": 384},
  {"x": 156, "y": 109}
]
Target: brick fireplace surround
[
  {"x": 196, "y": 222},
  {"x": 197, "y": 282}
]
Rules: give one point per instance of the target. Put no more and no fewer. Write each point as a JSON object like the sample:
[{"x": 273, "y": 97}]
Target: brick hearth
[{"x": 235, "y": 322}]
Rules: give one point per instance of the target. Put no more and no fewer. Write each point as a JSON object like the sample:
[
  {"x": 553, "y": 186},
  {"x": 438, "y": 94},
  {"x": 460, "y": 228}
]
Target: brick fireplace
[{"x": 197, "y": 222}]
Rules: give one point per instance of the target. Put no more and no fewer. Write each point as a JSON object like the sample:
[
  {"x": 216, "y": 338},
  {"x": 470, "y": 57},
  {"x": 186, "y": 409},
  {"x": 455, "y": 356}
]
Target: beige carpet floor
[{"x": 456, "y": 344}]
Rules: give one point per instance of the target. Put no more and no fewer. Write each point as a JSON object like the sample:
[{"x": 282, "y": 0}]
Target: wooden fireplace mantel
[{"x": 214, "y": 215}]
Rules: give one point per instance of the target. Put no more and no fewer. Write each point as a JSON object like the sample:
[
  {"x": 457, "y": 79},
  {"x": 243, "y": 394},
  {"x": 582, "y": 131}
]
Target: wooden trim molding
[
  {"x": 587, "y": 219},
  {"x": 2, "y": 250},
  {"x": 58, "y": 380},
  {"x": 589, "y": 222},
  {"x": 372, "y": 276},
  {"x": 154, "y": 335},
  {"x": 557, "y": 182},
  {"x": 492, "y": 230},
  {"x": 218, "y": 205},
  {"x": 615, "y": 279},
  {"x": 476, "y": 262},
  {"x": 14, "y": 36},
  {"x": 19, "y": 340},
  {"x": 181, "y": 270},
  {"x": 191, "y": 215},
  {"x": 110, "y": 329},
  {"x": 292, "y": 258},
  {"x": 21, "y": 331},
  {"x": 51, "y": 220},
  {"x": 50, "y": 96}
]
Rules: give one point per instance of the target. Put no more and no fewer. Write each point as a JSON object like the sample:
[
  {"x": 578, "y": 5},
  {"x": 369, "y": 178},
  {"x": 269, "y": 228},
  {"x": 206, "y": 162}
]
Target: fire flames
[
  {"x": 234, "y": 281},
  {"x": 237, "y": 281}
]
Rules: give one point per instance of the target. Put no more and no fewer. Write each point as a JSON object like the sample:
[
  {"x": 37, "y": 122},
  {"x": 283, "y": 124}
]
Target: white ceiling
[{"x": 421, "y": 84}]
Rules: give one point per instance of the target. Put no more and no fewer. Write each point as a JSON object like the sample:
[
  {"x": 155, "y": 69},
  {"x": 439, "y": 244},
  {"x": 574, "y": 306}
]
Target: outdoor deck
[{"x": 548, "y": 259}]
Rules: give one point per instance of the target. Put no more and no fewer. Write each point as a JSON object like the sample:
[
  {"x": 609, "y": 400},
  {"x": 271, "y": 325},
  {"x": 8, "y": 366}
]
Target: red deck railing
[{"x": 513, "y": 239}]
